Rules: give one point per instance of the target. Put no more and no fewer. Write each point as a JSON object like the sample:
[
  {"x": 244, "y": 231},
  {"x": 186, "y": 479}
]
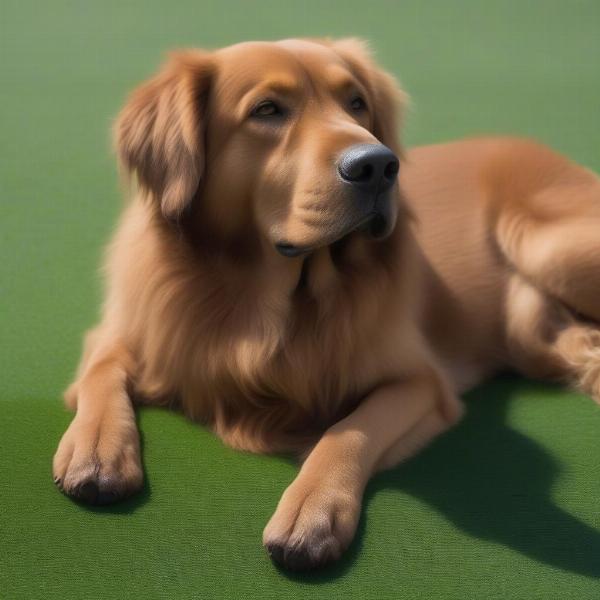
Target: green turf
[{"x": 506, "y": 506}]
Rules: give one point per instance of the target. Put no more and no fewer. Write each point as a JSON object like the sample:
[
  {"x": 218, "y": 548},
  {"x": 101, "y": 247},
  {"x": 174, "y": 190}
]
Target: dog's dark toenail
[
  {"x": 275, "y": 552},
  {"x": 301, "y": 556},
  {"x": 294, "y": 558},
  {"x": 87, "y": 492},
  {"x": 299, "y": 559},
  {"x": 106, "y": 497}
]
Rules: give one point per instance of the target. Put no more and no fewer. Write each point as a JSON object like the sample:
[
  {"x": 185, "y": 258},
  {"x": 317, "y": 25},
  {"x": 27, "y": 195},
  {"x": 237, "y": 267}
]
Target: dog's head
[{"x": 296, "y": 138}]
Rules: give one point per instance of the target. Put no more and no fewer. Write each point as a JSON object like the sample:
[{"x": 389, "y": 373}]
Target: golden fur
[{"x": 356, "y": 351}]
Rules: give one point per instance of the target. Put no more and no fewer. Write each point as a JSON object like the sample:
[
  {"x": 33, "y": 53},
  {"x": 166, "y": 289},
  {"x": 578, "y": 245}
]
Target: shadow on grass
[
  {"x": 486, "y": 478},
  {"x": 493, "y": 483}
]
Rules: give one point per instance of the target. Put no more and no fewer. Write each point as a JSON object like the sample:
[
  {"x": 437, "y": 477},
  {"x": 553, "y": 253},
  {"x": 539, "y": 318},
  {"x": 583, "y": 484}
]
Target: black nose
[{"x": 369, "y": 167}]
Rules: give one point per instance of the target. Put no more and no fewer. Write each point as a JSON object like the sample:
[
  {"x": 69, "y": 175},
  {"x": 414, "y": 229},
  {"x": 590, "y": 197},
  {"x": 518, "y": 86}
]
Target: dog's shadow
[
  {"x": 489, "y": 480},
  {"x": 492, "y": 483}
]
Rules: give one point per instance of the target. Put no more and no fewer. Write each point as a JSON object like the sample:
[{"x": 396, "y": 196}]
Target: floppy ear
[
  {"x": 159, "y": 133},
  {"x": 389, "y": 100}
]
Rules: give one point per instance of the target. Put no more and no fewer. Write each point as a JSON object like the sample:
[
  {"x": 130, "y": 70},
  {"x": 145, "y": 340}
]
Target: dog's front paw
[
  {"x": 312, "y": 526},
  {"x": 98, "y": 463}
]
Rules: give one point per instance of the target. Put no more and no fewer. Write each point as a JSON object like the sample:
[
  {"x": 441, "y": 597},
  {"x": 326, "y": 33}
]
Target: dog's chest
[{"x": 276, "y": 393}]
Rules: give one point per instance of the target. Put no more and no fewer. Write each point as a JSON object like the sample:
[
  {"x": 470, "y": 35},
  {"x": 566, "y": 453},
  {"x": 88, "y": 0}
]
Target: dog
[{"x": 288, "y": 275}]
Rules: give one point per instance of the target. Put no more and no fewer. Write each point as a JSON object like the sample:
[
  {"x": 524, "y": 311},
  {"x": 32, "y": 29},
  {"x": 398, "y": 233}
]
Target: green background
[{"x": 505, "y": 506}]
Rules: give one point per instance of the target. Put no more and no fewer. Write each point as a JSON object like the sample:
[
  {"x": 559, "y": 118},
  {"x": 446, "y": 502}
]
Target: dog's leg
[
  {"x": 552, "y": 238},
  {"x": 318, "y": 513},
  {"x": 98, "y": 458},
  {"x": 547, "y": 341}
]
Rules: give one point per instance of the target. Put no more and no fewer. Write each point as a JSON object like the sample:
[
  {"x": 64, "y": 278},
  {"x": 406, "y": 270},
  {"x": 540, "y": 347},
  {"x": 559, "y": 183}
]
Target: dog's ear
[
  {"x": 159, "y": 134},
  {"x": 389, "y": 100}
]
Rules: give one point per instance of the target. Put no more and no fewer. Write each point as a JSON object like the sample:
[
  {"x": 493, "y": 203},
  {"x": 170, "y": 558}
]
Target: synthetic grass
[{"x": 505, "y": 506}]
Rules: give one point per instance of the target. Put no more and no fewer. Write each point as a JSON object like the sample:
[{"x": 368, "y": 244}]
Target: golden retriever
[{"x": 275, "y": 279}]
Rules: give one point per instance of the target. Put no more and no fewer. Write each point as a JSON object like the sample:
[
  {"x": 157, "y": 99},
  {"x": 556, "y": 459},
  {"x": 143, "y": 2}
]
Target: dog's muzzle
[{"x": 370, "y": 170}]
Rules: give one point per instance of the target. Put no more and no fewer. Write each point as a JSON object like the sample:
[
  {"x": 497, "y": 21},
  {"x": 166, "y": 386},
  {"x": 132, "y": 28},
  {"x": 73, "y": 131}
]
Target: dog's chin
[{"x": 376, "y": 226}]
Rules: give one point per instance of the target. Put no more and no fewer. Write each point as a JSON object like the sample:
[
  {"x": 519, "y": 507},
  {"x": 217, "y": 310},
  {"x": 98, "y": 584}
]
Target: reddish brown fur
[{"x": 359, "y": 348}]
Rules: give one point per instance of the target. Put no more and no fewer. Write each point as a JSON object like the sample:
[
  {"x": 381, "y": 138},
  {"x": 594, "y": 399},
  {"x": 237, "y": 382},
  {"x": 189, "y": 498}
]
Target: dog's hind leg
[
  {"x": 98, "y": 458},
  {"x": 551, "y": 237},
  {"x": 548, "y": 230},
  {"x": 547, "y": 341}
]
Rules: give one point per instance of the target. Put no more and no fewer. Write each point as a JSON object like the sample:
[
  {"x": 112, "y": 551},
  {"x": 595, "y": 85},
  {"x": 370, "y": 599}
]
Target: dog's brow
[
  {"x": 340, "y": 81},
  {"x": 279, "y": 86},
  {"x": 342, "y": 85}
]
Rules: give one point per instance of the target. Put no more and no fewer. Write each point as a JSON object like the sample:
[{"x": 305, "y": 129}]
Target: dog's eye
[
  {"x": 358, "y": 104},
  {"x": 267, "y": 108}
]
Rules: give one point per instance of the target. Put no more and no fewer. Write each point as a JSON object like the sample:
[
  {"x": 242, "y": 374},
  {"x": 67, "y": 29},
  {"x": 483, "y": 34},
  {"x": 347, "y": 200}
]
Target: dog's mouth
[{"x": 374, "y": 225}]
